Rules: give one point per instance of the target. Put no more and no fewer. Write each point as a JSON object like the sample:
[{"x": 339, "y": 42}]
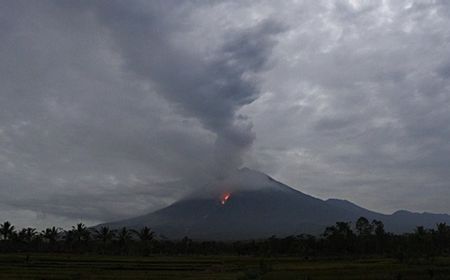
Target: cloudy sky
[{"x": 110, "y": 109}]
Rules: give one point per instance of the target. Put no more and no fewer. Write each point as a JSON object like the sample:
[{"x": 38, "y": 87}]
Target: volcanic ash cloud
[{"x": 209, "y": 88}]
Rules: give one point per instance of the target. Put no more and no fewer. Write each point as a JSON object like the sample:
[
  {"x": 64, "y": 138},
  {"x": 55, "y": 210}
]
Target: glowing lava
[{"x": 225, "y": 198}]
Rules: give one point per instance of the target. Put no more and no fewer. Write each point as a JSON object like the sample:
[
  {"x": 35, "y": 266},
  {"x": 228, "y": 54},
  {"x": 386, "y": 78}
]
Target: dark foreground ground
[{"x": 53, "y": 266}]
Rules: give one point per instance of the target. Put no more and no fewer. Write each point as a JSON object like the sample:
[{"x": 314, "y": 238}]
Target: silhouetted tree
[
  {"x": 27, "y": 235},
  {"x": 378, "y": 228},
  {"x": 124, "y": 237},
  {"x": 365, "y": 239},
  {"x": 380, "y": 235},
  {"x": 105, "y": 236},
  {"x": 50, "y": 235},
  {"x": 337, "y": 240},
  {"x": 145, "y": 236},
  {"x": 78, "y": 237},
  {"x": 81, "y": 233},
  {"x": 340, "y": 237},
  {"x": 442, "y": 237},
  {"x": 186, "y": 245},
  {"x": 6, "y": 230},
  {"x": 363, "y": 227}
]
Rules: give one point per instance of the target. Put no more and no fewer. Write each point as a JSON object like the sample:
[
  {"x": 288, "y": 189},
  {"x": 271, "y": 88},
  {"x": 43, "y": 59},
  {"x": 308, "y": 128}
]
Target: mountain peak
[
  {"x": 250, "y": 204},
  {"x": 241, "y": 180}
]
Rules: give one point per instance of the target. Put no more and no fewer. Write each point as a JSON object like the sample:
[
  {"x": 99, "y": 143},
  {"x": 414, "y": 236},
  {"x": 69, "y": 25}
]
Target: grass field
[{"x": 54, "y": 266}]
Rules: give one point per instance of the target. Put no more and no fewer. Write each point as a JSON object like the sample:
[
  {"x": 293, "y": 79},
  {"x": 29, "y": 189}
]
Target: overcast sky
[{"x": 111, "y": 109}]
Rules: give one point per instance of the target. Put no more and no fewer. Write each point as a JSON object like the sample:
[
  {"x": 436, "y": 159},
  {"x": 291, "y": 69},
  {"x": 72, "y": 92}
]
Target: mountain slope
[{"x": 259, "y": 206}]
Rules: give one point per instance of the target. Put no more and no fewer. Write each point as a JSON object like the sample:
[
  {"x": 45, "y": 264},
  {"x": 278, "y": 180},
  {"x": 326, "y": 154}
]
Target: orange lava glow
[{"x": 224, "y": 198}]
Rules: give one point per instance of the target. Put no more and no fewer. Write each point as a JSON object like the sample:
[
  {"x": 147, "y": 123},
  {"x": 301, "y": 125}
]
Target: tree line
[{"x": 343, "y": 239}]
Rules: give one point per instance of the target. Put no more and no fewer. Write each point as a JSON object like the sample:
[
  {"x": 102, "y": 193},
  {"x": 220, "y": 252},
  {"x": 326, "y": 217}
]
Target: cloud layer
[{"x": 111, "y": 109}]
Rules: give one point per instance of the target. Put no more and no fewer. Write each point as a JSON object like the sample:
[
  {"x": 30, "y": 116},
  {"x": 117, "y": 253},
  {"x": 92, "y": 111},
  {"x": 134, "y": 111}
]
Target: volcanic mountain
[{"x": 251, "y": 204}]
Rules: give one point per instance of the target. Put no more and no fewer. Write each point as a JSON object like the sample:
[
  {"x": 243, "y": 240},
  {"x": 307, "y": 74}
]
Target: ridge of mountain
[{"x": 252, "y": 204}]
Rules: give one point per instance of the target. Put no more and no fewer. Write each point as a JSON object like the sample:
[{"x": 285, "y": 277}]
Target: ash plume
[{"x": 210, "y": 88}]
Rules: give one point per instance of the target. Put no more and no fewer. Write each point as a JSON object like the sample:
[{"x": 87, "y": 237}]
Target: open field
[{"x": 54, "y": 266}]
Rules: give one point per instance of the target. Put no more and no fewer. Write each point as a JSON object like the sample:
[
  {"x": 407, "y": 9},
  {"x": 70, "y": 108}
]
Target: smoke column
[{"x": 210, "y": 89}]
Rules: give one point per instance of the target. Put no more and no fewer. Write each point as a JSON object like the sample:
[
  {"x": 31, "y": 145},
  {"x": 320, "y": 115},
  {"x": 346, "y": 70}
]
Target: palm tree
[
  {"x": 51, "y": 234},
  {"x": 105, "y": 235},
  {"x": 145, "y": 235},
  {"x": 81, "y": 232},
  {"x": 27, "y": 234},
  {"x": 6, "y": 230},
  {"x": 78, "y": 236},
  {"x": 124, "y": 237}
]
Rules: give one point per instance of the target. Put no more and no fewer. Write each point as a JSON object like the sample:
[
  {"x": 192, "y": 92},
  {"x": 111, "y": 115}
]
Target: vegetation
[
  {"x": 343, "y": 251},
  {"x": 340, "y": 240}
]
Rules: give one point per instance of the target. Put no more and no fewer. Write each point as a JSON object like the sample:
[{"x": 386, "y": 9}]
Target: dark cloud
[
  {"x": 110, "y": 109},
  {"x": 366, "y": 105},
  {"x": 444, "y": 70}
]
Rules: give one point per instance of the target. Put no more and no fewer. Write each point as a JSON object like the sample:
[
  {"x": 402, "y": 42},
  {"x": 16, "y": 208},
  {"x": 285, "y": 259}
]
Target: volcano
[{"x": 254, "y": 205}]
